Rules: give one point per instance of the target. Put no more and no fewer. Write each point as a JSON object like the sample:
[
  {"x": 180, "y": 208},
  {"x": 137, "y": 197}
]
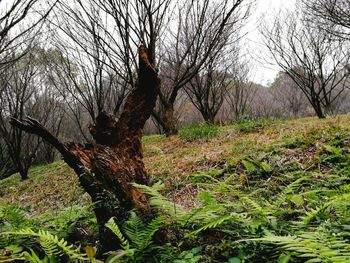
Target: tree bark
[
  {"x": 24, "y": 174},
  {"x": 318, "y": 110},
  {"x": 108, "y": 167},
  {"x": 170, "y": 122}
]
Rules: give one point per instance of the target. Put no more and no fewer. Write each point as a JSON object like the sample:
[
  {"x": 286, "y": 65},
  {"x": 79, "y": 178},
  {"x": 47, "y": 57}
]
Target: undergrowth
[
  {"x": 198, "y": 132},
  {"x": 285, "y": 200},
  {"x": 251, "y": 125}
]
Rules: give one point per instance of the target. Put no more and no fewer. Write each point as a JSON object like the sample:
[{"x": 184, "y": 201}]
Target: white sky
[{"x": 263, "y": 73}]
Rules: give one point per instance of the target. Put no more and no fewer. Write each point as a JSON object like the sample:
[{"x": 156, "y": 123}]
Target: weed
[
  {"x": 251, "y": 125},
  {"x": 293, "y": 143},
  {"x": 198, "y": 132},
  {"x": 149, "y": 139}
]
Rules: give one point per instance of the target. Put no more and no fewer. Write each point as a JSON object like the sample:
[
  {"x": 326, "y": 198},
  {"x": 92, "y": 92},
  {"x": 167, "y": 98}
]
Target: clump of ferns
[
  {"x": 319, "y": 245},
  {"x": 136, "y": 239},
  {"x": 300, "y": 206},
  {"x": 322, "y": 233},
  {"x": 52, "y": 247},
  {"x": 13, "y": 218},
  {"x": 210, "y": 215}
]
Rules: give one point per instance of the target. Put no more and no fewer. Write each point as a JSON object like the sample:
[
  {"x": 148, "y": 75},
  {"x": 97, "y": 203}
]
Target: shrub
[{"x": 198, "y": 132}]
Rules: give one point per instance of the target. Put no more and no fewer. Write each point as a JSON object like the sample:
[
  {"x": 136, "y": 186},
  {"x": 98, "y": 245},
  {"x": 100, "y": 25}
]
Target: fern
[
  {"x": 290, "y": 189},
  {"x": 13, "y": 217},
  {"x": 159, "y": 202},
  {"x": 139, "y": 234},
  {"x": 51, "y": 244},
  {"x": 216, "y": 221},
  {"x": 336, "y": 201},
  {"x": 124, "y": 243},
  {"x": 317, "y": 247},
  {"x": 32, "y": 257}
]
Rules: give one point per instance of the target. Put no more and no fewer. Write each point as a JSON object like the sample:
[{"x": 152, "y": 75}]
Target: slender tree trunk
[
  {"x": 329, "y": 109},
  {"x": 169, "y": 121},
  {"x": 208, "y": 117},
  {"x": 318, "y": 110},
  {"x": 23, "y": 173},
  {"x": 108, "y": 167}
]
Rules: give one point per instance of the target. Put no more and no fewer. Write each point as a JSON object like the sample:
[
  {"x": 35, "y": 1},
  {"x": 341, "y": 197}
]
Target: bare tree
[
  {"x": 208, "y": 88},
  {"x": 50, "y": 111},
  {"x": 16, "y": 29},
  {"x": 201, "y": 28},
  {"x": 6, "y": 166},
  {"x": 311, "y": 57},
  {"x": 16, "y": 35},
  {"x": 241, "y": 91},
  {"x": 290, "y": 101},
  {"x": 20, "y": 92},
  {"x": 91, "y": 70},
  {"x": 262, "y": 104},
  {"x": 332, "y": 15}
]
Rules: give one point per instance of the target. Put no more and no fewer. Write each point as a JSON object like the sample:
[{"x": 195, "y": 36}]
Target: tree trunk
[
  {"x": 318, "y": 110},
  {"x": 208, "y": 117},
  {"x": 167, "y": 120},
  {"x": 170, "y": 121},
  {"x": 23, "y": 173},
  {"x": 108, "y": 167}
]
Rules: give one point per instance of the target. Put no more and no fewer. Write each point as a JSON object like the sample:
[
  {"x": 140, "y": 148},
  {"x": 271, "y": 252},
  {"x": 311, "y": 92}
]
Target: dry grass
[
  {"x": 174, "y": 161},
  {"x": 50, "y": 187}
]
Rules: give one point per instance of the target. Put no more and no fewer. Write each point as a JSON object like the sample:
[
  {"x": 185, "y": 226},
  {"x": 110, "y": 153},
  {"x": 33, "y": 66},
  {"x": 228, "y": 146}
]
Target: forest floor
[{"x": 251, "y": 162}]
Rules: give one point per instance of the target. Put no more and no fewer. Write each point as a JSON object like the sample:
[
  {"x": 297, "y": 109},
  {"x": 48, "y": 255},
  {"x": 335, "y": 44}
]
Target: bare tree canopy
[
  {"x": 333, "y": 15},
  {"x": 25, "y": 90},
  {"x": 311, "y": 57},
  {"x": 203, "y": 29},
  {"x": 16, "y": 27},
  {"x": 241, "y": 90},
  {"x": 208, "y": 88}
]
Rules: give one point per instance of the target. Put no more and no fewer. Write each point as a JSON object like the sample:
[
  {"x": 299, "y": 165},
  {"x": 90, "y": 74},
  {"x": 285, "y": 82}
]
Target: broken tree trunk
[{"x": 107, "y": 168}]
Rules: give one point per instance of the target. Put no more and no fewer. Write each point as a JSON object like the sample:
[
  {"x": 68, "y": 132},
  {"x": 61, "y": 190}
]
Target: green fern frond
[
  {"x": 252, "y": 207},
  {"x": 315, "y": 246},
  {"x": 51, "y": 244},
  {"x": 310, "y": 215},
  {"x": 336, "y": 201},
  {"x": 124, "y": 243},
  {"x": 133, "y": 228},
  {"x": 159, "y": 202},
  {"x": 33, "y": 257},
  {"x": 289, "y": 189},
  {"x": 215, "y": 222},
  {"x": 141, "y": 234},
  {"x": 148, "y": 233}
]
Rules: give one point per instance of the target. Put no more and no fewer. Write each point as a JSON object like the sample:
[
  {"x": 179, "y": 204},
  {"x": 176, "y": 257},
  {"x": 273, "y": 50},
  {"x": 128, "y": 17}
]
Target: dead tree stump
[{"x": 107, "y": 168}]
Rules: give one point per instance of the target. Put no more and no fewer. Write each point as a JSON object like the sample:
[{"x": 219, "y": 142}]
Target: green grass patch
[
  {"x": 149, "y": 139},
  {"x": 251, "y": 125},
  {"x": 198, "y": 132}
]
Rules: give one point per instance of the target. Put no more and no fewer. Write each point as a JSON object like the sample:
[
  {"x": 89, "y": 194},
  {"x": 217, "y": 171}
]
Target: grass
[
  {"x": 198, "y": 132},
  {"x": 259, "y": 161},
  {"x": 49, "y": 188},
  {"x": 251, "y": 125}
]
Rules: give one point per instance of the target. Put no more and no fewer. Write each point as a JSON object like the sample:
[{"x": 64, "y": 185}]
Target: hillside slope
[{"x": 265, "y": 179}]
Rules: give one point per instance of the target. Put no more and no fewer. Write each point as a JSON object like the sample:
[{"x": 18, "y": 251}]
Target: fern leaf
[
  {"x": 316, "y": 246},
  {"x": 124, "y": 243},
  {"x": 51, "y": 244},
  {"x": 214, "y": 223}
]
